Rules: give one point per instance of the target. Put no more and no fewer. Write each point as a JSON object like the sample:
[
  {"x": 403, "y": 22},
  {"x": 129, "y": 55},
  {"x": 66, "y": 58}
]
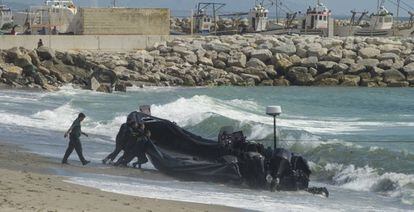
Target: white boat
[
  {"x": 258, "y": 17},
  {"x": 6, "y": 15},
  {"x": 380, "y": 24},
  {"x": 317, "y": 20}
]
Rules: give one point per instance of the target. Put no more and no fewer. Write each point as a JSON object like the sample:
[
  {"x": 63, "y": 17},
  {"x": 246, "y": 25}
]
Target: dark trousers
[
  {"x": 137, "y": 150},
  {"x": 115, "y": 153},
  {"x": 74, "y": 144}
]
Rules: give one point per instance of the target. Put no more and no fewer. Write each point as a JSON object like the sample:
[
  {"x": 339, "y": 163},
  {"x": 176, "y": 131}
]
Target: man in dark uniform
[
  {"x": 120, "y": 140},
  {"x": 132, "y": 144},
  {"x": 141, "y": 148},
  {"x": 74, "y": 133}
]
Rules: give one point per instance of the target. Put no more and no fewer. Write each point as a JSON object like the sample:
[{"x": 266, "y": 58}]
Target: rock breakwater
[{"x": 247, "y": 60}]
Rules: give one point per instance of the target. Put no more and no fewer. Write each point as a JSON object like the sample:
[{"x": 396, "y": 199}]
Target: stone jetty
[{"x": 239, "y": 60}]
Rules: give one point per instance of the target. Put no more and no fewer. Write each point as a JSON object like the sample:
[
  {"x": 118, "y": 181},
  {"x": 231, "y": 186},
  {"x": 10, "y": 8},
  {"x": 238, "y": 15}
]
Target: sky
[{"x": 338, "y": 7}]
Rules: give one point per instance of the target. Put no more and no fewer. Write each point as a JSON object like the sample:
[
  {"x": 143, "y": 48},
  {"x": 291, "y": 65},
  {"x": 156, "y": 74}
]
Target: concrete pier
[{"x": 83, "y": 42}]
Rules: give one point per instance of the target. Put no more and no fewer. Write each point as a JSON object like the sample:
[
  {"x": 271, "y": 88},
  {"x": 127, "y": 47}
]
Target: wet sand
[{"x": 28, "y": 182}]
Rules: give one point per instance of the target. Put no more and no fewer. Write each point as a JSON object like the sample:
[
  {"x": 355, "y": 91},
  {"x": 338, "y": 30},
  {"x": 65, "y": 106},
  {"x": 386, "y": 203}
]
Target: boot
[{"x": 105, "y": 160}]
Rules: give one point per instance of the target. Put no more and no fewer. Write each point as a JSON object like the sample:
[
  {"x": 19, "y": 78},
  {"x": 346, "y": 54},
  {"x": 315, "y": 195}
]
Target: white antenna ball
[{"x": 273, "y": 110}]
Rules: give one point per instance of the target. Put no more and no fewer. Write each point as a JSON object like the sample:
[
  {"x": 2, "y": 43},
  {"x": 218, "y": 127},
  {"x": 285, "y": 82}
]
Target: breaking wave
[{"x": 344, "y": 164}]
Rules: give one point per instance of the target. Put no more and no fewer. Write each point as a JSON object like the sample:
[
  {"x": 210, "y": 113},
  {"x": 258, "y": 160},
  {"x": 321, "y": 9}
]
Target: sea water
[{"x": 359, "y": 141}]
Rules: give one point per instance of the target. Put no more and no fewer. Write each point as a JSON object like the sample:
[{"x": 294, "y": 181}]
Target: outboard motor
[
  {"x": 287, "y": 171},
  {"x": 251, "y": 161}
]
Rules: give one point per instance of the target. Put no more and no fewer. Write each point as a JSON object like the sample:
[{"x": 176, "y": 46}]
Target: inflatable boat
[{"x": 231, "y": 158}]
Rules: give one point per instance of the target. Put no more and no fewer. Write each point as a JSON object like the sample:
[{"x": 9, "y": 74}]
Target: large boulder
[
  {"x": 317, "y": 52},
  {"x": 104, "y": 75},
  {"x": 35, "y": 58},
  {"x": 23, "y": 61},
  {"x": 182, "y": 50},
  {"x": 256, "y": 64},
  {"x": 351, "y": 80},
  {"x": 409, "y": 59},
  {"x": 323, "y": 66},
  {"x": 218, "y": 47},
  {"x": 283, "y": 64},
  {"x": 251, "y": 76},
  {"x": 327, "y": 82},
  {"x": 368, "y": 63},
  {"x": 300, "y": 76},
  {"x": 288, "y": 49},
  {"x": 409, "y": 72},
  {"x": 45, "y": 53},
  {"x": 334, "y": 55},
  {"x": 14, "y": 53},
  {"x": 237, "y": 59},
  {"x": 388, "y": 56},
  {"x": 11, "y": 72},
  {"x": 219, "y": 64},
  {"x": 393, "y": 75},
  {"x": 191, "y": 58},
  {"x": 340, "y": 67},
  {"x": 369, "y": 52},
  {"x": 398, "y": 84},
  {"x": 309, "y": 62},
  {"x": 262, "y": 54},
  {"x": 223, "y": 56},
  {"x": 205, "y": 61},
  {"x": 281, "y": 82},
  {"x": 356, "y": 69}
]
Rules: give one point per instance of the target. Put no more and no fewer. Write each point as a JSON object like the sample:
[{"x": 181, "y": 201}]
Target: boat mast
[
  {"x": 398, "y": 10},
  {"x": 277, "y": 12}
]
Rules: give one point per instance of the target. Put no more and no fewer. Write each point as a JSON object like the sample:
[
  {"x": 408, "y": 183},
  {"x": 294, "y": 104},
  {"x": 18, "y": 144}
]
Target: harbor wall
[
  {"x": 123, "y": 21},
  {"x": 83, "y": 42}
]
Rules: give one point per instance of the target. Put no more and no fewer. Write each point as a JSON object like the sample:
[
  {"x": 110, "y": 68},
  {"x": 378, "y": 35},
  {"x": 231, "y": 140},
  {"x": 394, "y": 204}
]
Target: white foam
[
  {"x": 201, "y": 193},
  {"x": 61, "y": 118},
  {"x": 369, "y": 179},
  {"x": 209, "y": 193},
  {"x": 191, "y": 111}
]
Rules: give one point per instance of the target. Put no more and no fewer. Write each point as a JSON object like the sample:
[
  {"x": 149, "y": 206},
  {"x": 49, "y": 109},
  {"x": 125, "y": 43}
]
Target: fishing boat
[
  {"x": 317, "y": 20},
  {"x": 6, "y": 15}
]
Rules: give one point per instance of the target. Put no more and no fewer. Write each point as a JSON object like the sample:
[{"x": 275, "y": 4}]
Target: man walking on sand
[{"x": 74, "y": 133}]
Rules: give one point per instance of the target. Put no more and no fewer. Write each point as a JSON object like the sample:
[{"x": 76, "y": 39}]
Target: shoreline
[{"x": 28, "y": 182}]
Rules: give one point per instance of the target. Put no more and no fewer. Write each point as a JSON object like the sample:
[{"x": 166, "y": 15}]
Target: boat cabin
[
  {"x": 57, "y": 5},
  {"x": 258, "y": 17},
  {"x": 203, "y": 22},
  {"x": 382, "y": 20},
  {"x": 316, "y": 18}
]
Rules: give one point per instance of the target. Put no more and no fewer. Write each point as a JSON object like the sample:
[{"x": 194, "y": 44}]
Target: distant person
[
  {"x": 28, "y": 31},
  {"x": 55, "y": 31},
  {"x": 74, "y": 133},
  {"x": 42, "y": 31},
  {"x": 13, "y": 31},
  {"x": 40, "y": 43},
  {"x": 120, "y": 140}
]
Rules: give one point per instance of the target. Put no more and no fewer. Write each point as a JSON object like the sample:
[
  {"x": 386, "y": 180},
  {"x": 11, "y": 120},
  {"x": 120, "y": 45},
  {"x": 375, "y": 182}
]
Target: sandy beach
[{"x": 28, "y": 183}]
